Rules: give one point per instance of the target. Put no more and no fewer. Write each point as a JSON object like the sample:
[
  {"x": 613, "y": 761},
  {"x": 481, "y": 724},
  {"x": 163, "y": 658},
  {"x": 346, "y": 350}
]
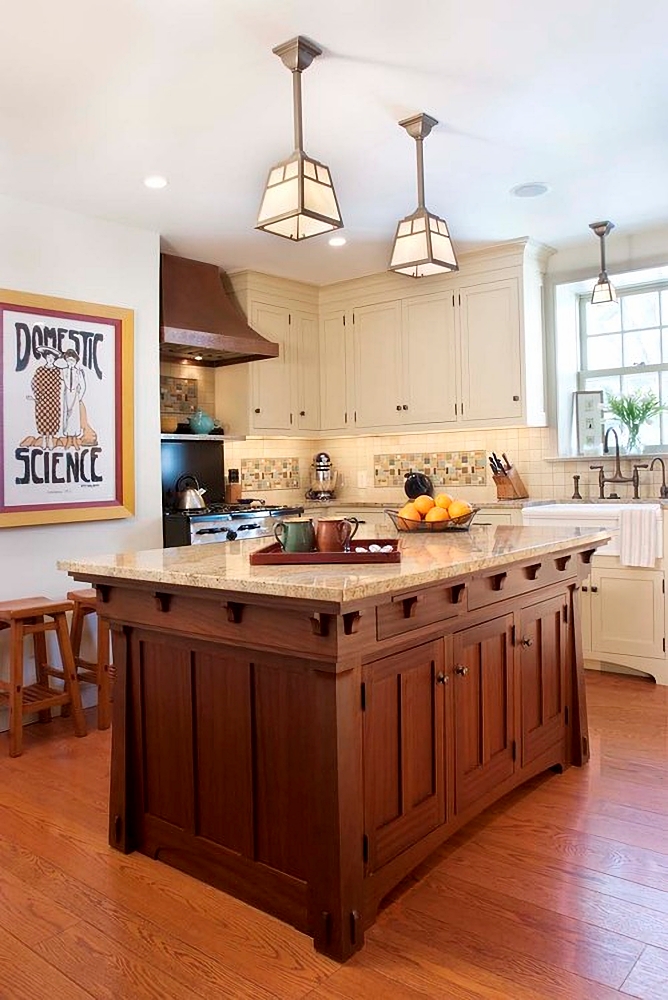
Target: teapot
[
  {"x": 189, "y": 493},
  {"x": 201, "y": 423}
]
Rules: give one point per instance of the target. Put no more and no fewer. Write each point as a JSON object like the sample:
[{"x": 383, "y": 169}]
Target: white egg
[{"x": 375, "y": 548}]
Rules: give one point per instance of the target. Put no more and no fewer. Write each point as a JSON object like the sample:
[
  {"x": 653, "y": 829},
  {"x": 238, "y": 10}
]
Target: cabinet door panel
[
  {"x": 333, "y": 373},
  {"x": 428, "y": 360},
  {"x": 377, "y": 332},
  {"x": 271, "y": 378},
  {"x": 489, "y": 320},
  {"x": 483, "y": 692},
  {"x": 542, "y": 645},
  {"x": 627, "y": 612},
  {"x": 306, "y": 374},
  {"x": 403, "y": 750}
]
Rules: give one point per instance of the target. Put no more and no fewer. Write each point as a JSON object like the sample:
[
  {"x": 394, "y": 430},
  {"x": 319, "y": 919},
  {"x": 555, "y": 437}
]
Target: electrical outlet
[{"x": 361, "y": 480}]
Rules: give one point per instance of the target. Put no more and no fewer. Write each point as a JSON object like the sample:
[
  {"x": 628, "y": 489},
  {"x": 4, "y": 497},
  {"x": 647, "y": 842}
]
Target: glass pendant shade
[
  {"x": 422, "y": 243},
  {"x": 603, "y": 290},
  {"x": 299, "y": 200}
]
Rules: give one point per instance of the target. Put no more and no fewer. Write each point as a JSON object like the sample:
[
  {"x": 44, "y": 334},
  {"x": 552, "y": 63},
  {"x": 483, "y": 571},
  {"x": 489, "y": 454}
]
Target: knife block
[{"x": 510, "y": 486}]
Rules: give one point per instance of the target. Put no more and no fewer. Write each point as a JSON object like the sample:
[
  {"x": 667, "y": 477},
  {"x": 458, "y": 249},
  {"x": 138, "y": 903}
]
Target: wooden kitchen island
[{"x": 303, "y": 737}]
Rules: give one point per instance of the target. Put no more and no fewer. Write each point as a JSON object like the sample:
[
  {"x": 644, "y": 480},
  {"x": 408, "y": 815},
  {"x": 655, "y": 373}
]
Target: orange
[
  {"x": 443, "y": 500},
  {"x": 410, "y": 516},
  {"x": 423, "y": 503},
  {"x": 437, "y": 514},
  {"x": 458, "y": 508}
]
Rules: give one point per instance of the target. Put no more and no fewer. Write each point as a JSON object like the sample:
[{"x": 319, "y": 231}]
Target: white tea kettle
[{"x": 189, "y": 493}]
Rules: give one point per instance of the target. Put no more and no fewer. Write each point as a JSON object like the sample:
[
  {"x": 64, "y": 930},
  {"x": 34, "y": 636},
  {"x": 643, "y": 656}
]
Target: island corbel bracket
[
  {"x": 235, "y": 612},
  {"x": 162, "y": 601},
  {"x": 457, "y": 593},
  {"x": 586, "y": 556},
  {"x": 320, "y": 623},
  {"x": 561, "y": 562},
  {"x": 533, "y": 571},
  {"x": 351, "y": 622}
]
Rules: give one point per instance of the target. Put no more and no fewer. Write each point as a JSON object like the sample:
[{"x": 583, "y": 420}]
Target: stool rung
[
  {"x": 40, "y": 627},
  {"x": 37, "y": 697}
]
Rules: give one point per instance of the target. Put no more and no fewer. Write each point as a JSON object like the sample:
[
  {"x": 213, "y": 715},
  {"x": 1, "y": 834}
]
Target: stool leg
[
  {"x": 41, "y": 662},
  {"x": 103, "y": 676},
  {"x": 16, "y": 690},
  {"x": 69, "y": 669},
  {"x": 76, "y": 630}
]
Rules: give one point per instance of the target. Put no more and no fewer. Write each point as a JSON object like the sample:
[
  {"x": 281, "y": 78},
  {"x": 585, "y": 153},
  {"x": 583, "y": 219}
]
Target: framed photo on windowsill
[{"x": 589, "y": 421}]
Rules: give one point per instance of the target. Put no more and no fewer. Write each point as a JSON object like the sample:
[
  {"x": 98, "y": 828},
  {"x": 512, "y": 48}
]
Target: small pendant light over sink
[
  {"x": 422, "y": 243},
  {"x": 299, "y": 199},
  {"x": 603, "y": 289}
]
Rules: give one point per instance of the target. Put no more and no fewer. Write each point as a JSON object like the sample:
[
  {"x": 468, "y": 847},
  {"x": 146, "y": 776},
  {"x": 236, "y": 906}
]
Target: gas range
[{"x": 224, "y": 522}]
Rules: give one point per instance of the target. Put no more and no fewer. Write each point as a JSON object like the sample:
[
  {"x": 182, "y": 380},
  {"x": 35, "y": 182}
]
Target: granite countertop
[
  {"x": 427, "y": 557},
  {"x": 313, "y": 505}
]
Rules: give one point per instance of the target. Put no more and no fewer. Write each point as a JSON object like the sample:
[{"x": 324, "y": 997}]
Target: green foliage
[{"x": 634, "y": 409}]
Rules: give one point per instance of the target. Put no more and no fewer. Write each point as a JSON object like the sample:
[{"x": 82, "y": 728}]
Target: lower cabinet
[
  {"x": 404, "y": 759},
  {"x": 447, "y": 722},
  {"x": 623, "y": 613}
]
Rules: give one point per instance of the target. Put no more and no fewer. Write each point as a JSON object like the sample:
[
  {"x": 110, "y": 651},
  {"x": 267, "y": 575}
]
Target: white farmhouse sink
[{"x": 604, "y": 515}]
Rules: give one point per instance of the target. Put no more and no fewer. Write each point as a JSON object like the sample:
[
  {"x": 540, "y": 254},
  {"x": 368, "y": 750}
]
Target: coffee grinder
[{"x": 323, "y": 478}]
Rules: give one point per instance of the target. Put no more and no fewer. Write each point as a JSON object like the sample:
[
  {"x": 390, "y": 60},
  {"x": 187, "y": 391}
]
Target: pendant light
[
  {"x": 422, "y": 243},
  {"x": 299, "y": 199},
  {"x": 603, "y": 289}
]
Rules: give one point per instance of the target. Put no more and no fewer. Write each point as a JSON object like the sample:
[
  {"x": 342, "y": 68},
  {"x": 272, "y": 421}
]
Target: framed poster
[
  {"x": 589, "y": 422},
  {"x": 66, "y": 410}
]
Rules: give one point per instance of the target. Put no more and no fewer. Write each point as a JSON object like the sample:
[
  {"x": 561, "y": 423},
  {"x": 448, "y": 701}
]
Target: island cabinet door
[
  {"x": 542, "y": 644},
  {"x": 404, "y": 779},
  {"x": 483, "y": 688}
]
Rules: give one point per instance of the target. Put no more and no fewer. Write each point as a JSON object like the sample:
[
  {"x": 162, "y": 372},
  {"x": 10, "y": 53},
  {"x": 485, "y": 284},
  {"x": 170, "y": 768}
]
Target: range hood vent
[{"x": 198, "y": 321}]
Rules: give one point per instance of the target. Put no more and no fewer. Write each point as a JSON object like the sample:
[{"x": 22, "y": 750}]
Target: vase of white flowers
[{"x": 633, "y": 410}]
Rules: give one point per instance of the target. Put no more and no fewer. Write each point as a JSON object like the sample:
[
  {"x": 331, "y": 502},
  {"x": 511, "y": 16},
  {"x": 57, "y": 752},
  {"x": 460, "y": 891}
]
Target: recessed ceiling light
[
  {"x": 337, "y": 241},
  {"x": 533, "y": 190},
  {"x": 155, "y": 181}
]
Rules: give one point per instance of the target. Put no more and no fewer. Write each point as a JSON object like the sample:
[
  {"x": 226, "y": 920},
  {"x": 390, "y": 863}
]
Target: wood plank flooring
[{"x": 560, "y": 890}]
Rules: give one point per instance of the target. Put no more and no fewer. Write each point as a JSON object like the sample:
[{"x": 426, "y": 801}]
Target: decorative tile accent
[
  {"x": 445, "y": 468},
  {"x": 270, "y": 473},
  {"x": 177, "y": 395}
]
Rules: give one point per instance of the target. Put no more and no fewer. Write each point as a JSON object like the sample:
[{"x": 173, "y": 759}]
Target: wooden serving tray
[{"x": 273, "y": 555}]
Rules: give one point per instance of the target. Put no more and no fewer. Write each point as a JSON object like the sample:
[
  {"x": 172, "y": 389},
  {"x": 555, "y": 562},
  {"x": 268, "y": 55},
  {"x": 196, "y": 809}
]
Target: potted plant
[{"x": 632, "y": 410}]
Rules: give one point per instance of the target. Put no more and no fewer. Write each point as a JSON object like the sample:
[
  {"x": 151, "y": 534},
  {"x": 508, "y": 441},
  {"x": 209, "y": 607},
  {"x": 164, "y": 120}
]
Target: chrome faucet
[
  {"x": 663, "y": 491},
  {"x": 617, "y": 476}
]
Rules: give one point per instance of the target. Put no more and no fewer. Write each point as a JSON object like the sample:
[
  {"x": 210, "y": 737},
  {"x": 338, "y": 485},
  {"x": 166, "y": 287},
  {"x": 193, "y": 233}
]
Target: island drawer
[
  {"x": 512, "y": 581},
  {"x": 417, "y": 608}
]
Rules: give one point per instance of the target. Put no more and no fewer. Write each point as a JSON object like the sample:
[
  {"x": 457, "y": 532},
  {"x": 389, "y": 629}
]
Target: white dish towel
[{"x": 638, "y": 535}]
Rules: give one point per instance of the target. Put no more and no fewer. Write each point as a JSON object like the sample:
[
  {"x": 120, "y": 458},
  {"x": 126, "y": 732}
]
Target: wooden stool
[
  {"x": 99, "y": 672},
  {"x": 27, "y": 616}
]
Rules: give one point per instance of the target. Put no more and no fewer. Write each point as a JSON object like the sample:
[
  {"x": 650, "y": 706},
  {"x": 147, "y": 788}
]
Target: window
[{"x": 624, "y": 347}]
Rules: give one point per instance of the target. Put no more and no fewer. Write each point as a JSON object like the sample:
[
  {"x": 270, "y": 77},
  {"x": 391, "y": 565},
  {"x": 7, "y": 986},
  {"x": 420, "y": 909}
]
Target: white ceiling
[{"x": 96, "y": 94}]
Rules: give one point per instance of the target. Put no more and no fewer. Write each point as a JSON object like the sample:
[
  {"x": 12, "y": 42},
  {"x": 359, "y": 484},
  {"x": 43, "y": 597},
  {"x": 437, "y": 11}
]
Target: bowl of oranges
[{"x": 439, "y": 513}]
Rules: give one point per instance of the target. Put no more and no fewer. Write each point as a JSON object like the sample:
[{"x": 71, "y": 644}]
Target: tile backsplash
[
  {"x": 270, "y": 474},
  {"x": 445, "y": 468}
]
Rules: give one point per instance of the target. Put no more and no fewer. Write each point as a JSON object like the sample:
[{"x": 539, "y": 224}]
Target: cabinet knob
[
  {"x": 404, "y": 407},
  {"x": 398, "y": 406},
  {"x": 594, "y": 590},
  {"x": 516, "y": 399},
  {"x": 526, "y": 641},
  {"x": 442, "y": 678},
  {"x": 302, "y": 413},
  {"x": 461, "y": 670},
  {"x": 257, "y": 409}
]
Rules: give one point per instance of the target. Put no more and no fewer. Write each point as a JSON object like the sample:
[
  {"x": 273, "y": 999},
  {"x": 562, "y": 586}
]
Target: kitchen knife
[
  {"x": 500, "y": 470},
  {"x": 505, "y": 459},
  {"x": 493, "y": 466}
]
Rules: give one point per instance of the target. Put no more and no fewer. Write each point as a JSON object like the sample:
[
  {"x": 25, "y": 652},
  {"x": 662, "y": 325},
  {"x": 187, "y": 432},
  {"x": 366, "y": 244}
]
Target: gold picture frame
[{"x": 66, "y": 410}]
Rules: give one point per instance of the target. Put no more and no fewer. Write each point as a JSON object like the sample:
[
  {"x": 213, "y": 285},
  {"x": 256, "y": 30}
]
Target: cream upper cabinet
[
  {"x": 428, "y": 360},
  {"x": 377, "y": 365},
  {"x": 336, "y": 413},
  {"x": 491, "y": 367},
  {"x": 277, "y": 395}
]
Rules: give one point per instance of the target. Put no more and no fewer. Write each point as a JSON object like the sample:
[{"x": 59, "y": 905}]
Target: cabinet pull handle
[
  {"x": 442, "y": 678},
  {"x": 526, "y": 641},
  {"x": 461, "y": 670}
]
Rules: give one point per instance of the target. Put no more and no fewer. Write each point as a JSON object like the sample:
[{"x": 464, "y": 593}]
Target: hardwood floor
[{"x": 561, "y": 890}]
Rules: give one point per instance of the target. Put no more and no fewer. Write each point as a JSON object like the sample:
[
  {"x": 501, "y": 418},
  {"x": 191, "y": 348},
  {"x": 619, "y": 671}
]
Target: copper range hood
[{"x": 198, "y": 321}]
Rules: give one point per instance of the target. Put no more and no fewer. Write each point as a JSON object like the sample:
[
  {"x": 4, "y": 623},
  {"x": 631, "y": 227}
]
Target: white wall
[{"x": 52, "y": 252}]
